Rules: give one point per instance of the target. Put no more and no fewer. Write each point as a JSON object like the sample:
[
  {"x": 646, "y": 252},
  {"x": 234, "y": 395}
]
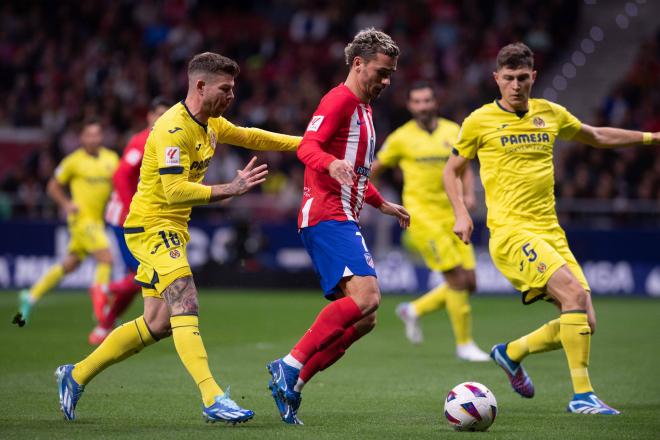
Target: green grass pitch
[{"x": 383, "y": 388}]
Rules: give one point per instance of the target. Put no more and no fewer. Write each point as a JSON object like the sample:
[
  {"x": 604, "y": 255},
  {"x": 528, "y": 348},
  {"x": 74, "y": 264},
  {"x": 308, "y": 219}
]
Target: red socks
[
  {"x": 124, "y": 286},
  {"x": 329, "y": 355},
  {"x": 330, "y": 325},
  {"x": 123, "y": 292}
]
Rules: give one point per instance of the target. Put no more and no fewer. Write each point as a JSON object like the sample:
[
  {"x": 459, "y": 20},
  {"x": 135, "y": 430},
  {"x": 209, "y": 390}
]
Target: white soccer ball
[{"x": 470, "y": 406}]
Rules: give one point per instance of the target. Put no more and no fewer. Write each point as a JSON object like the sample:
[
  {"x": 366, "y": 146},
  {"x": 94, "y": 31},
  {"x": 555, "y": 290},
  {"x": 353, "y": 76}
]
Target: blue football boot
[
  {"x": 520, "y": 381},
  {"x": 284, "y": 378},
  {"x": 589, "y": 403},
  {"x": 226, "y": 410},
  {"x": 70, "y": 391}
]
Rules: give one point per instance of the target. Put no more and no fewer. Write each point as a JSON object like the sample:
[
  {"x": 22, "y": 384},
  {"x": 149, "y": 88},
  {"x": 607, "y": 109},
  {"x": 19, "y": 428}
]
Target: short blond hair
[{"x": 369, "y": 42}]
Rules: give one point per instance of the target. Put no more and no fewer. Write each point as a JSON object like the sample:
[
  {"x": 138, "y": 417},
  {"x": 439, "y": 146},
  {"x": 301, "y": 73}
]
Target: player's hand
[
  {"x": 463, "y": 227},
  {"x": 342, "y": 171},
  {"x": 397, "y": 211},
  {"x": 248, "y": 178},
  {"x": 70, "y": 208}
]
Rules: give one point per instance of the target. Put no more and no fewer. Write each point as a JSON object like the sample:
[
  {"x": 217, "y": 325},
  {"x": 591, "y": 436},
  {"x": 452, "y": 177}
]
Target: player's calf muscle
[{"x": 181, "y": 297}]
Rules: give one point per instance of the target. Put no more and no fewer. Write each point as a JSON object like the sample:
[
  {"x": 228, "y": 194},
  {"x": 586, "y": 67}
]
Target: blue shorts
[
  {"x": 129, "y": 260},
  {"x": 337, "y": 250}
]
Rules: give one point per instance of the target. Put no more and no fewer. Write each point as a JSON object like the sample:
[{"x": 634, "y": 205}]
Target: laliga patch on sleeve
[
  {"x": 172, "y": 156},
  {"x": 315, "y": 123}
]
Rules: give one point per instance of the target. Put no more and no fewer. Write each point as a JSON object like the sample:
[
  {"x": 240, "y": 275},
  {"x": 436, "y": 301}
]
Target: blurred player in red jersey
[
  {"x": 113, "y": 299},
  {"x": 337, "y": 150}
]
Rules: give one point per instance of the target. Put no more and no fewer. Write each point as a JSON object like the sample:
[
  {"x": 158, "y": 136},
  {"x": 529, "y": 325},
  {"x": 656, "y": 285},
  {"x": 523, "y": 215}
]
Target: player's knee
[
  {"x": 369, "y": 303},
  {"x": 366, "y": 324},
  {"x": 575, "y": 296},
  {"x": 104, "y": 257},
  {"x": 70, "y": 264},
  {"x": 470, "y": 282},
  {"x": 461, "y": 279},
  {"x": 592, "y": 324},
  {"x": 579, "y": 295},
  {"x": 158, "y": 325}
]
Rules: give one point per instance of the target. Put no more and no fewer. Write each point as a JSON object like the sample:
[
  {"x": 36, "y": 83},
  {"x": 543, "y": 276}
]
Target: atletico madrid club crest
[
  {"x": 538, "y": 122},
  {"x": 174, "y": 253},
  {"x": 370, "y": 260}
]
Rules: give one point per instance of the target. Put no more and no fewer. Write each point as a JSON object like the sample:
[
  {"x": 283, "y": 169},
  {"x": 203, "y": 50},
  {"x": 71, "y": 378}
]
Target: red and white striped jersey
[
  {"x": 125, "y": 179},
  {"x": 341, "y": 128}
]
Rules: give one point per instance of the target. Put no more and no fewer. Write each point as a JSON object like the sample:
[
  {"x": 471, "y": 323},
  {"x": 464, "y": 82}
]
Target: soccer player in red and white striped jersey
[
  {"x": 120, "y": 293},
  {"x": 337, "y": 150}
]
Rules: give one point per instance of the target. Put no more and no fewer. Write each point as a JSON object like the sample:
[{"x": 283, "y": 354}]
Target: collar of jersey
[
  {"x": 183, "y": 103},
  {"x": 519, "y": 114}
]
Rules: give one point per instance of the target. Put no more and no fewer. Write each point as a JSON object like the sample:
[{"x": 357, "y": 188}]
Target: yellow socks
[
  {"x": 460, "y": 315},
  {"x": 458, "y": 309},
  {"x": 124, "y": 341},
  {"x": 49, "y": 280},
  {"x": 575, "y": 337},
  {"x": 431, "y": 301},
  {"x": 189, "y": 345},
  {"x": 103, "y": 271},
  {"x": 545, "y": 338}
]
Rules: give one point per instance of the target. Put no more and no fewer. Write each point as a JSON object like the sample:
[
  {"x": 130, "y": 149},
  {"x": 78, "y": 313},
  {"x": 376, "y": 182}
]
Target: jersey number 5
[{"x": 529, "y": 253}]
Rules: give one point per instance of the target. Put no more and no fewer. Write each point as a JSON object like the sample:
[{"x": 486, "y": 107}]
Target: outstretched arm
[
  {"x": 454, "y": 171},
  {"x": 257, "y": 139},
  {"x": 609, "y": 137}
]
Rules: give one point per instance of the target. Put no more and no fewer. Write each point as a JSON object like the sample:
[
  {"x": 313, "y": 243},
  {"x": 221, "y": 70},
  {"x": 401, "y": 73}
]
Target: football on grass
[{"x": 470, "y": 406}]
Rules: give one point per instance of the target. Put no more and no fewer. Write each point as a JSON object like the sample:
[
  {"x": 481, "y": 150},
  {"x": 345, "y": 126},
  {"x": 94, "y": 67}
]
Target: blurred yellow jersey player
[
  {"x": 421, "y": 148},
  {"x": 514, "y": 138},
  {"x": 176, "y": 157},
  {"x": 87, "y": 172}
]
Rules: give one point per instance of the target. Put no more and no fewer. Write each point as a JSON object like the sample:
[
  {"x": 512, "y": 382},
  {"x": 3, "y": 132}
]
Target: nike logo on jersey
[
  {"x": 155, "y": 249},
  {"x": 585, "y": 333},
  {"x": 502, "y": 126},
  {"x": 174, "y": 130},
  {"x": 198, "y": 147}
]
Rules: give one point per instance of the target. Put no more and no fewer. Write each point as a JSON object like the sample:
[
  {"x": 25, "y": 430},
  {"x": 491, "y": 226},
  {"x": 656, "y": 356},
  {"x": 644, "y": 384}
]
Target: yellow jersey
[
  {"x": 89, "y": 179},
  {"x": 422, "y": 157},
  {"x": 176, "y": 156},
  {"x": 515, "y": 152}
]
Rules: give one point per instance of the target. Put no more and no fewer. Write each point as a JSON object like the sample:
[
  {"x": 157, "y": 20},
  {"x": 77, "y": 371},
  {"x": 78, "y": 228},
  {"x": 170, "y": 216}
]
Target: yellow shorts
[
  {"x": 528, "y": 258},
  {"x": 162, "y": 258},
  {"x": 87, "y": 237},
  {"x": 440, "y": 248}
]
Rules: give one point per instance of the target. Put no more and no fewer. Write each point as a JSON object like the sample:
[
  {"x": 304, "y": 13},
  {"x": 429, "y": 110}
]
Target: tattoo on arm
[{"x": 181, "y": 297}]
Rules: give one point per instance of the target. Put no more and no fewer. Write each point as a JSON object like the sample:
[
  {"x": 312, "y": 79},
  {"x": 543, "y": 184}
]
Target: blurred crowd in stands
[
  {"x": 625, "y": 174},
  {"x": 61, "y": 62}
]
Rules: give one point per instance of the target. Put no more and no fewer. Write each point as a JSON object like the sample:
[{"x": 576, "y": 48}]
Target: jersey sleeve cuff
[{"x": 170, "y": 170}]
